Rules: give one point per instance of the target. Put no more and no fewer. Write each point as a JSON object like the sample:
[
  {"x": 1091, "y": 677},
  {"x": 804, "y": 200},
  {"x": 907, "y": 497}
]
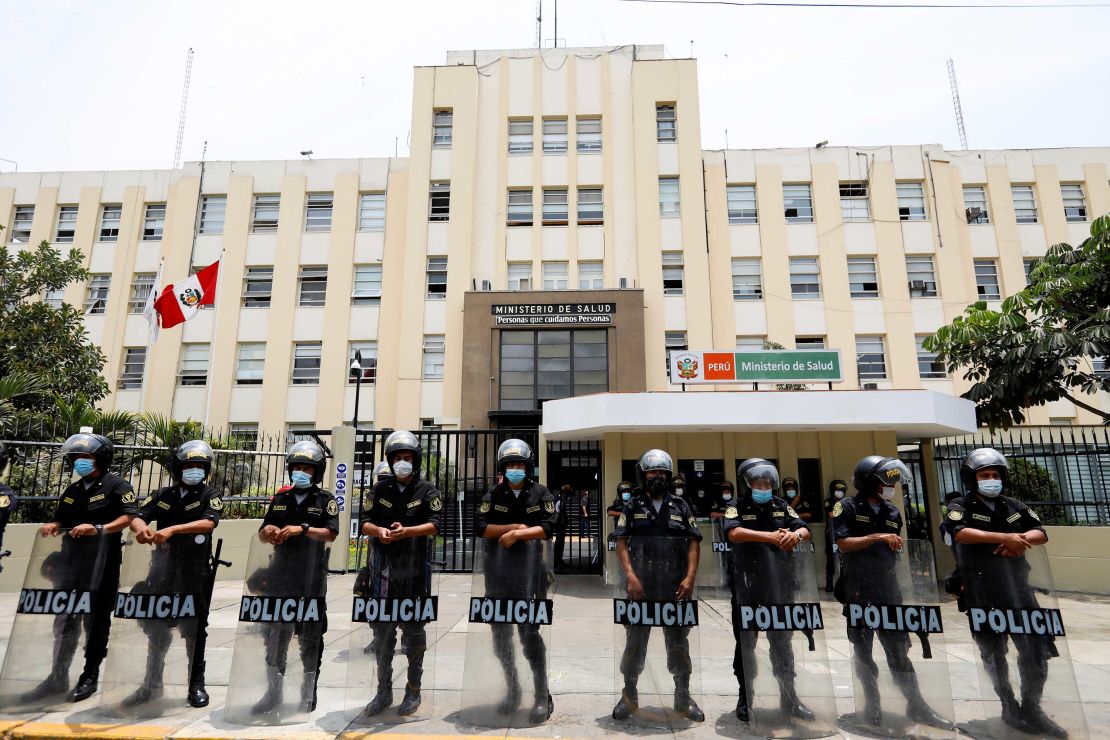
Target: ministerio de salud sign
[
  {"x": 790, "y": 366},
  {"x": 548, "y": 314}
]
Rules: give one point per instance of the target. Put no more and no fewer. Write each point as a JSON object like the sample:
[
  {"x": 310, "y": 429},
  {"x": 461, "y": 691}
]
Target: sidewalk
[{"x": 581, "y": 666}]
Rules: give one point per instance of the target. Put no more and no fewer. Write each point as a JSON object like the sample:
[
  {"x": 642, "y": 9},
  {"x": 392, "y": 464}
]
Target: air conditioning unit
[
  {"x": 870, "y": 386},
  {"x": 973, "y": 215},
  {"x": 917, "y": 285}
]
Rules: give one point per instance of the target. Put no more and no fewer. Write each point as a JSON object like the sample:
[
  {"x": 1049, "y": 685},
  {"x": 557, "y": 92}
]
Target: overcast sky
[{"x": 97, "y": 85}]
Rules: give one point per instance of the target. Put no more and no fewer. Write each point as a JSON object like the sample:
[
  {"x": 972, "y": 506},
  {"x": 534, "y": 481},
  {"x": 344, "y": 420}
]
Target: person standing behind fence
[
  {"x": 562, "y": 503},
  {"x": 7, "y": 497},
  {"x": 584, "y": 514}
]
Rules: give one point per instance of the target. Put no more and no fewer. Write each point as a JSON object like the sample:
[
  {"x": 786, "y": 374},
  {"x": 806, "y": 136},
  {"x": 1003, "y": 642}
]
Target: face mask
[
  {"x": 402, "y": 468},
  {"x": 301, "y": 479},
  {"x": 838, "y": 493},
  {"x": 791, "y": 492},
  {"x": 656, "y": 486},
  {"x": 626, "y": 496},
  {"x": 990, "y": 488},
  {"x": 887, "y": 492},
  {"x": 514, "y": 476},
  {"x": 761, "y": 497},
  {"x": 678, "y": 491},
  {"x": 83, "y": 467},
  {"x": 192, "y": 476},
  {"x": 726, "y": 496}
]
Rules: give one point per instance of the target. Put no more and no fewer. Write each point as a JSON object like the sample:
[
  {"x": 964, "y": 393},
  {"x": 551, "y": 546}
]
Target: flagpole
[
  {"x": 212, "y": 343},
  {"x": 152, "y": 333}
]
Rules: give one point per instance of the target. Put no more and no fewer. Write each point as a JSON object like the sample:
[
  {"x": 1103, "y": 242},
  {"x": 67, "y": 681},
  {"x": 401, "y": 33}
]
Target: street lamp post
[{"x": 356, "y": 368}]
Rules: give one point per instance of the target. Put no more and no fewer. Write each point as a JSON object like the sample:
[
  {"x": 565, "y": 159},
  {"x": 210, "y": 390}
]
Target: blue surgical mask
[
  {"x": 514, "y": 476},
  {"x": 83, "y": 467},
  {"x": 761, "y": 497},
  {"x": 192, "y": 476},
  {"x": 990, "y": 488},
  {"x": 301, "y": 479},
  {"x": 726, "y": 496},
  {"x": 626, "y": 496}
]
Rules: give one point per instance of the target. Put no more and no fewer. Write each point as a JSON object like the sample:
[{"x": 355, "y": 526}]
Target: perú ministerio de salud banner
[{"x": 757, "y": 366}]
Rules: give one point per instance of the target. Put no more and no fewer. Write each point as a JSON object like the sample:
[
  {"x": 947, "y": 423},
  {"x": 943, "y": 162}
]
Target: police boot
[
  {"x": 629, "y": 702},
  {"x": 198, "y": 697},
  {"x": 152, "y": 684},
  {"x": 1038, "y": 721},
  {"x": 917, "y": 709},
  {"x": 272, "y": 698},
  {"x": 411, "y": 702},
  {"x": 685, "y": 703},
  {"x": 544, "y": 705},
  {"x": 789, "y": 703},
  {"x": 511, "y": 701},
  {"x": 382, "y": 699},
  {"x": 308, "y": 696},
  {"x": 55, "y": 683},
  {"x": 86, "y": 686},
  {"x": 867, "y": 673},
  {"x": 742, "y": 712}
]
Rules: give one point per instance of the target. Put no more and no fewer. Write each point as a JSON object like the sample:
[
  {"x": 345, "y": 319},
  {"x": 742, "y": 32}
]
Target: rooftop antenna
[
  {"x": 956, "y": 104},
  {"x": 539, "y": 24},
  {"x": 184, "y": 107}
]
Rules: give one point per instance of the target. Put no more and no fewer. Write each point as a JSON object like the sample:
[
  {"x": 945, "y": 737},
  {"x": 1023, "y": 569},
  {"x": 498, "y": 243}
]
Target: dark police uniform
[
  {"x": 831, "y": 552},
  {"x": 658, "y": 548},
  {"x": 7, "y": 503},
  {"x": 401, "y": 569},
  {"x": 762, "y": 574},
  {"x": 179, "y": 565}
]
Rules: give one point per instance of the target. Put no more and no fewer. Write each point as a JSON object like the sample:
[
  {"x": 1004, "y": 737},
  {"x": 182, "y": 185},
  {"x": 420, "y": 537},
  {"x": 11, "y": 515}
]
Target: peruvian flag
[{"x": 179, "y": 302}]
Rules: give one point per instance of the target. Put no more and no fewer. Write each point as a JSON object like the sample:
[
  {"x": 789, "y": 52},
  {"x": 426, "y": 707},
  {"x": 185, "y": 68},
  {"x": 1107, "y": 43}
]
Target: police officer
[
  {"x": 301, "y": 519},
  {"x": 180, "y": 563},
  {"x": 98, "y": 504},
  {"x": 867, "y": 529},
  {"x": 624, "y": 495},
  {"x": 657, "y": 529},
  {"x": 837, "y": 490},
  {"x": 403, "y": 514},
  {"x": 725, "y": 498},
  {"x": 763, "y": 528},
  {"x": 992, "y": 532},
  {"x": 6, "y": 496},
  {"x": 792, "y": 492}
]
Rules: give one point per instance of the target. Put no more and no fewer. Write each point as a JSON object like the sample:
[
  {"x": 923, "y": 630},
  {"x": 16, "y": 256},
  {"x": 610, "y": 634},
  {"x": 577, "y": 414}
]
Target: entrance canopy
[{"x": 911, "y": 414}]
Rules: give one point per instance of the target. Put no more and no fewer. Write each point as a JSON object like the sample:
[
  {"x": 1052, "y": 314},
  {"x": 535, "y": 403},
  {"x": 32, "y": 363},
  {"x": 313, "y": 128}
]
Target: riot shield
[
  {"x": 54, "y": 610},
  {"x": 1019, "y": 640},
  {"x": 655, "y": 635},
  {"x": 896, "y": 639},
  {"x": 282, "y": 608},
  {"x": 779, "y": 627},
  {"x": 505, "y": 674},
  {"x": 720, "y": 557},
  {"x": 391, "y": 647}
]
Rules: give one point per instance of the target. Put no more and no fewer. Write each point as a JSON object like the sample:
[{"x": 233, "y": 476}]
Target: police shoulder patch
[
  {"x": 128, "y": 497},
  {"x": 549, "y": 506},
  {"x": 436, "y": 504},
  {"x": 622, "y": 521},
  {"x": 332, "y": 508},
  {"x": 215, "y": 503},
  {"x": 484, "y": 507},
  {"x": 955, "y": 515},
  {"x": 1033, "y": 514},
  {"x": 146, "y": 501},
  {"x": 730, "y": 512},
  {"x": 693, "y": 522},
  {"x": 791, "y": 512},
  {"x": 5, "y": 501},
  {"x": 838, "y": 509}
]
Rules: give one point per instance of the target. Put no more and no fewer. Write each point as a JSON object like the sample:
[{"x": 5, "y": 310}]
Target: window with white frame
[
  {"x": 1029, "y": 263},
  {"x": 1075, "y": 204},
  {"x": 20, "y": 231},
  {"x": 110, "y": 216},
  {"x": 750, "y": 343},
  {"x": 747, "y": 279},
  {"x": 922, "y": 277},
  {"x": 669, "y": 206},
  {"x": 435, "y": 352},
  {"x": 554, "y": 206},
  {"x": 986, "y": 280},
  {"x": 666, "y": 122},
  {"x": 154, "y": 222},
  {"x": 441, "y": 128},
  {"x": 437, "y": 278},
  {"x": 193, "y": 368},
  {"x": 673, "y": 273},
  {"x": 863, "y": 277},
  {"x": 519, "y": 209},
  {"x": 805, "y": 278},
  {"x": 554, "y": 136},
  {"x": 53, "y": 297},
  {"x": 797, "y": 200},
  {"x": 367, "y": 288},
  {"x": 587, "y": 131},
  {"x": 741, "y": 204},
  {"x": 368, "y": 351},
  {"x": 66, "y": 226},
  {"x": 673, "y": 341},
  {"x": 975, "y": 204},
  {"x": 927, "y": 365},
  {"x": 96, "y": 294},
  {"x": 809, "y": 343},
  {"x": 591, "y": 206},
  {"x": 520, "y": 276},
  {"x": 258, "y": 286},
  {"x": 1025, "y": 204},
  {"x": 555, "y": 275},
  {"x": 590, "y": 276},
  {"x": 142, "y": 283},
  {"x": 312, "y": 286},
  {"x": 911, "y": 201},
  {"x": 244, "y": 434},
  {"x": 854, "y": 205},
  {"x": 264, "y": 213},
  {"x": 520, "y": 136},
  {"x": 250, "y": 363},
  {"x": 870, "y": 358},
  {"x": 299, "y": 433},
  {"x": 318, "y": 208},
  {"x": 439, "y": 201},
  {"x": 371, "y": 212},
  {"x": 306, "y": 363},
  {"x": 133, "y": 368},
  {"x": 213, "y": 208}
]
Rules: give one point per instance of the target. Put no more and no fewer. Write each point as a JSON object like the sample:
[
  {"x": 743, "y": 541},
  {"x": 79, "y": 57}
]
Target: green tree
[
  {"x": 1030, "y": 482},
  {"x": 1049, "y": 341}
]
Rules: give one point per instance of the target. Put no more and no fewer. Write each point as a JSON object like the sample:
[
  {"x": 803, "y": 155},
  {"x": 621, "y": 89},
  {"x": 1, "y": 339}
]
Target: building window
[
  {"x": 434, "y": 353},
  {"x": 520, "y": 276},
  {"x": 520, "y": 136},
  {"x": 110, "y": 216},
  {"x": 591, "y": 206},
  {"x": 1025, "y": 204},
  {"x": 437, "y": 278},
  {"x": 53, "y": 298},
  {"x": 213, "y": 208},
  {"x": 747, "y": 280},
  {"x": 154, "y": 222},
  {"x": 805, "y": 343},
  {"x": 975, "y": 204},
  {"x": 555, "y": 207},
  {"x": 669, "y": 206},
  {"x": 369, "y": 363},
  {"x": 250, "y": 363},
  {"x": 258, "y": 285},
  {"x": 441, "y": 128},
  {"x": 1075, "y": 205},
  {"x": 439, "y": 201},
  {"x": 863, "y": 278},
  {"x": 805, "y": 278},
  {"x": 134, "y": 367},
  {"x": 870, "y": 358},
  {"x": 20, "y": 232},
  {"x": 927, "y": 365},
  {"x": 741, "y": 204},
  {"x": 590, "y": 276},
  {"x": 750, "y": 344},
  {"x": 922, "y": 278},
  {"x": 673, "y": 341},
  {"x": 312, "y": 287},
  {"x": 264, "y": 214},
  {"x": 587, "y": 130},
  {"x": 142, "y": 283},
  {"x": 67, "y": 225},
  {"x": 194, "y": 365},
  {"x": 368, "y": 285},
  {"x": 520, "y": 207},
  {"x": 317, "y": 215},
  {"x": 798, "y": 203},
  {"x": 555, "y": 276},
  {"x": 666, "y": 122},
  {"x": 1029, "y": 263},
  {"x": 371, "y": 212},
  {"x": 854, "y": 205},
  {"x": 673, "y": 273},
  {"x": 546, "y": 364},
  {"x": 96, "y": 295},
  {"x": 554, "y": 136},
  {"x": 306, "y": 363},
  {"x": 986, "y": 280},
  {"x": 245, "y": 435},
  {"x": 911, "y": 201}
]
